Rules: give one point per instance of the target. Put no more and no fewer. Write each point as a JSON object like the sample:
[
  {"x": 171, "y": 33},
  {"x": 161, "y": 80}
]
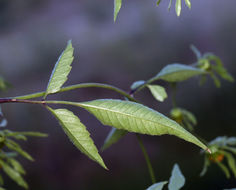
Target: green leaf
[
  {"x": 169, "y": 6},
  {"x": 1, "y": 180},
  {"x": 114, "y": 136},
  {"x": 231, "y": 141},
  {"x": 25, "y": 133},
  {"x": 224, "y": 169},
  {"x": 3, "y": 121},
  {"x": 158, "y": 92},
  {"x": 117, "y": 6},
  {"x": 215, "y": 79},
  {"x": 4, "y": 85},
  {"x": 137, "y": 118},
  {"x": 158, "y": 186},
  {"x": 188, "y": 3},
  {"x": 177, "y": 179},
  {"x": 158, "y": 2},
  {"x": 177, "y": 73},
  {"x": 16, "y": 147},
  {"x": 205, "y": 166},
  {"x": 16, "y": 165},
  {"x": 14, "y": 175},
  {"x": 195, "y": 50},
  {"x": 178, "y": 7},
  {"x": 61, "y": 70},
  {"x": 77, "y": 133},
  {"x": 231, "y": 161},
  {"x": 137, "y": 84},
  {"x": 190, "y": 117},
  {"x": 1, "y": 188}
]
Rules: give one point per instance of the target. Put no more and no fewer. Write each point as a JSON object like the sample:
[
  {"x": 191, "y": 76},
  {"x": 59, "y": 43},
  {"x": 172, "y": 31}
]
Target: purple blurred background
[{"x": 145, "y": 38}]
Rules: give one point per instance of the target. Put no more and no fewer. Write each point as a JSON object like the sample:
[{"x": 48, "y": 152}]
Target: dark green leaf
[
  {"x": 158, "y": 92},
  {"x": 158, "y": 2},
  {"x": 1, "y": 180},
  {"x": 14, "y": 175},
  {"x": 158, "y": 186},
  {"x": 61, "y": 70},
  {"x": 137, "y": 118},
  {"x": 231, "y": 161},
  {"x": 224, "y": 169},
  {"x": 77, "y": 133},
  {"x": 114, "y": 136},
  {"x": 177, "y": 179},
  {"x": 205, "y": 166},
  {"x": 117, "y": 6}
]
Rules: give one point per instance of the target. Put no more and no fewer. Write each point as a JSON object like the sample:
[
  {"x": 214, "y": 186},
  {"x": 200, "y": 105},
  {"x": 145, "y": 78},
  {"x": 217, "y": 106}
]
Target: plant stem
[
  {"x": 82, "y": 85},
  {"x": 150, "y": 168}
]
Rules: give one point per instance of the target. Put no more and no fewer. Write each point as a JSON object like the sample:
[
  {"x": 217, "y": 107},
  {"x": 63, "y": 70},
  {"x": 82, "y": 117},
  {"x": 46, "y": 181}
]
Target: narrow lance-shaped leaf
[
  {"x": 178, "y": 7},
  {"x": 137, "y": 118},
  {"x": 177, "y": 179},
  {"x": 117, "y": 6},
  {"x": 177, "y": 73},
  {"x": 61, "y": 70},
  {"x": 224, "y": 169},
  {"x": 113, "y": 136},
  {"x": 231, "y": 161},
  {"x": 157, "y": 186},
  {"x": 77, "y": 133},
  {"x": 158, "y": 2},
  {"x": 188, "y": 3},
  {"x": 169, "y": 6},
  {"x": 158, "y": 92},
  {"x": 16, "y": 165},
  {"x": 14, "y": 175}
]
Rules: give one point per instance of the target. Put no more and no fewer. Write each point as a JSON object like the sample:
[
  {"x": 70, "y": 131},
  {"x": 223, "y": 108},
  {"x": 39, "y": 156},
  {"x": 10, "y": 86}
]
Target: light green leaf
[
  {"x": 61, "y": 70},
  {"x": 178, "y": 7},
  {"x": 16, "y": 165},
  {"x": 16, "y": 147},
  {"x": 205, "y": 166},
  {"x": 158, "y": 2},
  {"x": 77, "y": 133},
  {"x": 224, "y": 169},
  {"x": 1, "y": 188},
  {"x": 114, "y": 136},
  {"x": 117, "y": 6},
  {"x": 137, "y": 118},
  {"x": 158, "y": 186},
  {"x": 177, "y": 73},
  {"x": 14, "y": 175},
  {"x": 190, "y": 117},
  {"x": 137, "y": 84},
  {"x": 169, "y": 6},
  {"x": 158, "y": 92},
  {"x": 188, "y": 3},
  {"x": 177, "y": 179}
]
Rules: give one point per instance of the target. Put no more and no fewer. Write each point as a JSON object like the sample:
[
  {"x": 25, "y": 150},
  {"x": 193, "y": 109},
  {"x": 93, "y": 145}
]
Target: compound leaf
[
  {"x": 113, "y": 136},
  {"x": 77, "y": 133},
  {"x": 61, "y": 70},
  {"x": 177, "y": 179},
  {"x": 137, "y": 118}
]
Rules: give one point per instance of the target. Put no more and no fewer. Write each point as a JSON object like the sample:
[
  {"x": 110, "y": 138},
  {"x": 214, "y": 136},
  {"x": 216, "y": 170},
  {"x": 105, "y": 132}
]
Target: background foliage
[{"x": 35, "y": 33}]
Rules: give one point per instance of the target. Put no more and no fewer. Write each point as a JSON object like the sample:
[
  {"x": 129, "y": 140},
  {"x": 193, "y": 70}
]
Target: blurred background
[{"x": 144, "y": 39}]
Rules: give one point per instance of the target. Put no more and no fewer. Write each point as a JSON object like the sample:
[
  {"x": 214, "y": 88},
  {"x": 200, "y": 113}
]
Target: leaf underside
[
  {"x": 137, "y": 118},
  {"x": 177, "y": 73},
  {"x": 177, "y": 180},
  {"x": 61, "y": 70},
  {"x": 77, "y": 133},
  {"x": 158, "y": 186}
]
